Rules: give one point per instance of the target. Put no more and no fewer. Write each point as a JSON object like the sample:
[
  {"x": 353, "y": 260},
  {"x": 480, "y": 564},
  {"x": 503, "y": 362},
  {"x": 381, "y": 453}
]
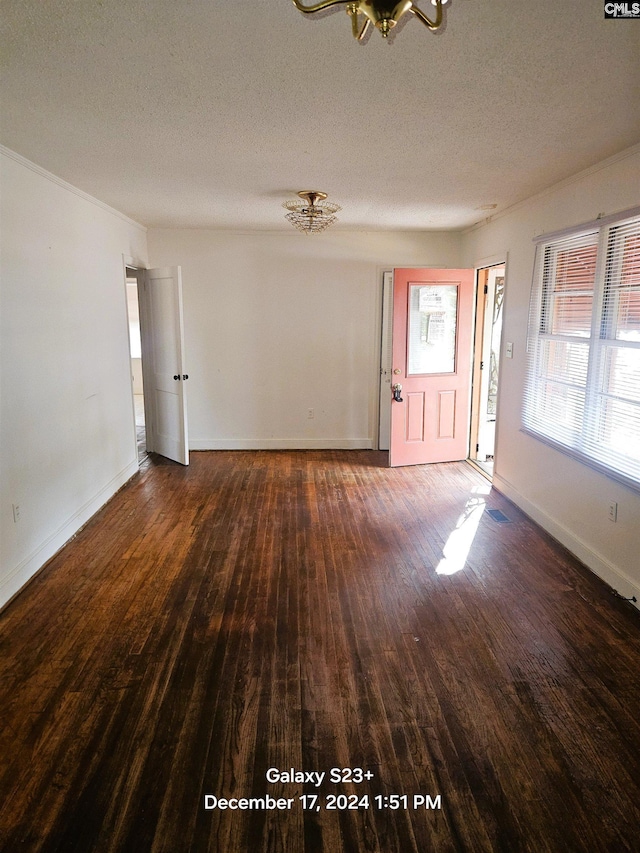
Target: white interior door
[{"x": 163, "y": 363}]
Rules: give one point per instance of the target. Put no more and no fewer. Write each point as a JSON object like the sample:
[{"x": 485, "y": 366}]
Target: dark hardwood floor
[{"x": 310, "y": 611}]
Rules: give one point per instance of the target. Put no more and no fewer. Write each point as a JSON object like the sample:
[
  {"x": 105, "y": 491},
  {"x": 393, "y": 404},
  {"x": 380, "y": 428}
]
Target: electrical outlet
[
  {"x": 310, "y": 413},
  {"x": 613, "y": 511},
  {"x": 16, "y": 512}
]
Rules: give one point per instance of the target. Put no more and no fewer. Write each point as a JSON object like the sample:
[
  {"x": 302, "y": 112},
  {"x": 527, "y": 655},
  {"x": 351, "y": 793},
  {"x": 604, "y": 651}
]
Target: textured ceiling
[{"x": 210, "y": 113}]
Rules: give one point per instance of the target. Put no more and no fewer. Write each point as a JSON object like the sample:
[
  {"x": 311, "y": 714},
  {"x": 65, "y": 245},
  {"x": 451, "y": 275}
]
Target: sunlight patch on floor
[{"x": 458, "y": 545}]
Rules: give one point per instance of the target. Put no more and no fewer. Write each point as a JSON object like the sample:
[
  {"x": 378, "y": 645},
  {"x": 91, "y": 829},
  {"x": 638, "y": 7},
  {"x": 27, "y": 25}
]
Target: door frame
[
  {"x": 430, "y": 422},
  {"x": 478, "y": 377},
  {"x": 172, "y": 447},
  {"x": 132, "y": 274},
  {"x": 384, "y": 361},
  {"x": 135, "y": 266},
  {"x": 385, "y": 302}
]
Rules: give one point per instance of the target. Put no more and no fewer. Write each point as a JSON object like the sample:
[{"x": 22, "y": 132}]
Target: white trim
[
  {"x": 281, "y": 444},
  {"x": 385, "y": 328},
  {"x": 498, "y": 260},
  {"x": 13, "y": 155},
  {"x": 13, "y": 582},
  {"x": 595, "y": 562},
  {"x": 128, "y": 263},
  {"x": 132, "y": 263}
]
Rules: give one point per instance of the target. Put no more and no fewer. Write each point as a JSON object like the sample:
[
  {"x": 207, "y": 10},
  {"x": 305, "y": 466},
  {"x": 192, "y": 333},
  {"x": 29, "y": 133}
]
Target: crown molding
[
  {"x": 566, "y": 182},
  {"x": 28, "y": 164}
]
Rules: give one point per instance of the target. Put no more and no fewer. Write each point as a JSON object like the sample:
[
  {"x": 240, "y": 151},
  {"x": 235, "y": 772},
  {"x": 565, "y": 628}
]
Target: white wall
[
  {"x": 278, "y": 323},
  {"x": 567, "y": 498},
  {"x": 275, "y": 324},
  {"x": 67, "y": 440}
]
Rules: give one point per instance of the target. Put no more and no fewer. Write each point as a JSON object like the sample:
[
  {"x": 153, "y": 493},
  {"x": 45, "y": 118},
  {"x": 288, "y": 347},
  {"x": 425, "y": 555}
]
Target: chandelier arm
[
  {"x": 363, "y": 31},
  {"x": 420, "y": 15},
  {"x": 318, "y": 7},
  {"x": 352, "y": 12}
]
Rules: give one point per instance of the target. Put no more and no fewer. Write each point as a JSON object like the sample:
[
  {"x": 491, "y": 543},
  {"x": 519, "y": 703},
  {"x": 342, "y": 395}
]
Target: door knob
[{"x": 397, "y": 390}]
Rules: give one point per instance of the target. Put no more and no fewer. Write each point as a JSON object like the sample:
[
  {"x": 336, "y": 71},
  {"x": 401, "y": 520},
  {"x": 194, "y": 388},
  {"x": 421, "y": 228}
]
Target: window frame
[{"x": 577, "y": 433}]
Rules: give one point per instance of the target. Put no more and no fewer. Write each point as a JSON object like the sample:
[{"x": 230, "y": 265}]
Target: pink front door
[{"x": 432, "y": 332}]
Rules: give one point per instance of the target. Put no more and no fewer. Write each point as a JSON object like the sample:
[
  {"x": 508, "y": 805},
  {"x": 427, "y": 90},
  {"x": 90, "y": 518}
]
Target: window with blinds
[{"x": 583, "y": 373}]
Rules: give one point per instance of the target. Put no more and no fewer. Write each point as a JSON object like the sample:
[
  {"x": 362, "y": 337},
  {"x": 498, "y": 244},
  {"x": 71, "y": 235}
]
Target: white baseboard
[
  {"x": 281, "y": 444},
  {"x": 17, "y": 577},
  {"x": 599, "y": 565}
]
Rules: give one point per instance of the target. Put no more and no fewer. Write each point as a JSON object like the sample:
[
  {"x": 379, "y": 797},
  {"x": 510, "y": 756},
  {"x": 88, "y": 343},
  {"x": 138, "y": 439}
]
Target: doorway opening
[
  {"x": 135, "y": 345},
  {"x": 486, "y": 367}
]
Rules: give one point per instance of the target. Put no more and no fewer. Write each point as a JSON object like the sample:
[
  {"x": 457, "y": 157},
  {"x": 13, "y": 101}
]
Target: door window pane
[{"x": 433, "y": 311}]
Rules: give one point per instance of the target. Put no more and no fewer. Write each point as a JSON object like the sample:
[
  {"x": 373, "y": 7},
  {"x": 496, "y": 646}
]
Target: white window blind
[{"x": 583, "y": 372}]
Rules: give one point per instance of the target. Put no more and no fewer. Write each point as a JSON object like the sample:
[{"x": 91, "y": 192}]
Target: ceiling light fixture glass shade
[
  {"x": 312, "y": 214},
  {"x": 383, "y": 14}
]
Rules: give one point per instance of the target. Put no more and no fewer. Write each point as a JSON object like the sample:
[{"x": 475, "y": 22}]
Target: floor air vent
[{"x": 498, "y": 515}]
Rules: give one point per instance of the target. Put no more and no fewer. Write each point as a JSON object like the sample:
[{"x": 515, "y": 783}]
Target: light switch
[{"x": 509, "y": 349}]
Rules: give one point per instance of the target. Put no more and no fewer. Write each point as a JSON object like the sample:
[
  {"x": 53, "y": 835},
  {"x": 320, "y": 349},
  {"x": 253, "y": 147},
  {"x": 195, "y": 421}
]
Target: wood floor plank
[{"x": 302, "y": 611}]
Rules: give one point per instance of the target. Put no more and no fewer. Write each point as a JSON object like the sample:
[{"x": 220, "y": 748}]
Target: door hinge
[
  {"x": 482, "y": 365},
  {"x": 486, "y": 288},
  {"x": 477, "y": 448}
]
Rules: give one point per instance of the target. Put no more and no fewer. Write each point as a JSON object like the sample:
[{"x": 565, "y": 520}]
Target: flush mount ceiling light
[
  {"x": 383, "y": 14},
  {"x": 313, "y": 214}
]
